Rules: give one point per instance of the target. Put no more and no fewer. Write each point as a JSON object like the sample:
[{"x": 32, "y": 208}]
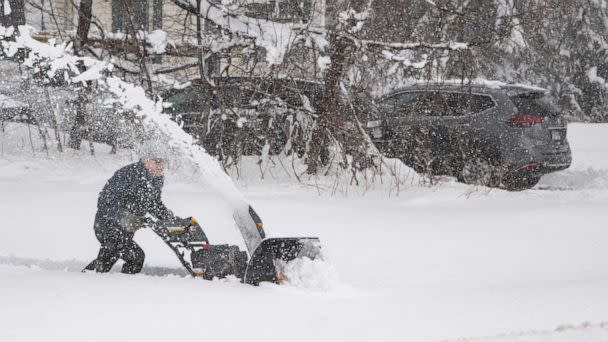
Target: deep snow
[{"x": 442, "y": 263}]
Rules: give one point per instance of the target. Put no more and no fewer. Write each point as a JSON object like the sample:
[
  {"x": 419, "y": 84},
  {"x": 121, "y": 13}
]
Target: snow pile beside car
[{"x": 589, "y": 169}]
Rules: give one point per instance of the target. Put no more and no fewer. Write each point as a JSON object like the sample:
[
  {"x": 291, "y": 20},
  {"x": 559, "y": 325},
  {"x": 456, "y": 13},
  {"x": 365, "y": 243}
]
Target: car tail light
[
  {"x": 532, "y": 165},
  {"x": 524, "y": 120}
]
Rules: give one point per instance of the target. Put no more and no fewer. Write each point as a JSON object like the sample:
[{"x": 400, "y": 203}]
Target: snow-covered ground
[{"x": 441, "y": 263}]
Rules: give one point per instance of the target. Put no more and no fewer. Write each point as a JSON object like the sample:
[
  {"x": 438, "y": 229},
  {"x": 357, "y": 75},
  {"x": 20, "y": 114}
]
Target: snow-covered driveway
[{"x": 439, "y": 263}]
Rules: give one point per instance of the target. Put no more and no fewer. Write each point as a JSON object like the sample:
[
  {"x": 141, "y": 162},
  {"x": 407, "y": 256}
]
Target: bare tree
[
  {"x": 14, "y": 14},
  {"x": 79, "y": 127}
]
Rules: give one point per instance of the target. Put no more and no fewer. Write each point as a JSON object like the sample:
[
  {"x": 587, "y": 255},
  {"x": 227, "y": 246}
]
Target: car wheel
[
  {"x": 519, "y": 181},
  {"x": 477, "y": 171}
]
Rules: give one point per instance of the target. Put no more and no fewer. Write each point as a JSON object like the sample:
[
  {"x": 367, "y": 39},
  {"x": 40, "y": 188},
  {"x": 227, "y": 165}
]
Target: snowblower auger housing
[
  {"x": 268, "y": 255},
  {"x": 272, "y": 254}
]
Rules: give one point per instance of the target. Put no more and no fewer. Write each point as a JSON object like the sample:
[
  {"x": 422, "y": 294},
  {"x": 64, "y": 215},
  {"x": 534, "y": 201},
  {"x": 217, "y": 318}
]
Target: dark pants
[{"x": 116, "y": 244}]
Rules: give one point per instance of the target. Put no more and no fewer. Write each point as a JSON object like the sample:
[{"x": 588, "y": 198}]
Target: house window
[
  {"x": 282, "y": 10},
  {"x": 306, "y": 10},
  {"x": 295, "y": 10},
  {"x": 143, "y": 13}
]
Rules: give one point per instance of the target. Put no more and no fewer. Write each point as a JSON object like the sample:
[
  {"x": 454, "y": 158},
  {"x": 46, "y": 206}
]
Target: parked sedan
[
  {"x": 249, "y": 114},
  {"x": 486, "y": 133}
]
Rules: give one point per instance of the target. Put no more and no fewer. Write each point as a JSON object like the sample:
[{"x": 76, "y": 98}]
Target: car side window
[
  {"x": 458, "y": 104},
  {"x": 407, "y": 104},
  {"x": 291, "y": 96},
  {"x": 195, "y": 99},
  {"x": 461, "y": 104},
  {"x": 231, "y": 96},
  {"x": 186, "y": 100},
  {"x": 177, "y": 102},
  {"x": 440, "y": 104},
  {"x": 479, "y": 103}
]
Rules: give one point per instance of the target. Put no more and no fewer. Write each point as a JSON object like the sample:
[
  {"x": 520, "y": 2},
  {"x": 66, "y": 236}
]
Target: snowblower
[{"x": 268, "y": 256}]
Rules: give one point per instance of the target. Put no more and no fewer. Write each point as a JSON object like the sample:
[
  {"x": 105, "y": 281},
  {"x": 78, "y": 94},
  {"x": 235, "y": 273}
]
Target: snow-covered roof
[{"x": 7, "y": 102}]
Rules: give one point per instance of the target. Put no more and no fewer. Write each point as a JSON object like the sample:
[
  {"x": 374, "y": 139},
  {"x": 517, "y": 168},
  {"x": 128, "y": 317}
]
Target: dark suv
[{"x": 486, "y": 133}]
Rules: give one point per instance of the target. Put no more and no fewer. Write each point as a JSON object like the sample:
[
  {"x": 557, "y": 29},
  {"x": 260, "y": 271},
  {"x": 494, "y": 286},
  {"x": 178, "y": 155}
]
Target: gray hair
[{"x": 150, "y": 150}]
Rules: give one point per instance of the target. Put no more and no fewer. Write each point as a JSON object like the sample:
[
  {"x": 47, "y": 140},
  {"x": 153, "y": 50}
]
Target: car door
[
  {"x": 406, "y": 118},
  {"x": 428, "y": 129},
  {"x": 451, "y": 129},
  {"x": 463, "y": 123}
]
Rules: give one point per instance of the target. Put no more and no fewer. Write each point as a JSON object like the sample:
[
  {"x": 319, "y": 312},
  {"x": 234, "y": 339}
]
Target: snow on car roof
[
  {"x": 7, "y": 102},
  {"x": 478, "y": 82}
]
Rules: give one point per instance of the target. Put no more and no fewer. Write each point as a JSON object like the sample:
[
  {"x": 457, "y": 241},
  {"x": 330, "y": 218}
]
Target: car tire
[
  {"x": 520, "y": 181},
  {"x": 478, "y": 171}
]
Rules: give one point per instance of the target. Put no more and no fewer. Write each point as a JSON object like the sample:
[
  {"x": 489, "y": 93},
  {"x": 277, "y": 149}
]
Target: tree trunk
[
  {"x": 79, "y": 127},
  {"x": 205, "y": 74},
  {"x": 17, "y": 13},
  {"x": 328, "y": 111},
  {"x": 84, "y": 22}
]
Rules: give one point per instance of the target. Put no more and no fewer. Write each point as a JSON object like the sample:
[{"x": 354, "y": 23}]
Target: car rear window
[{"x": 535, "y": 103}]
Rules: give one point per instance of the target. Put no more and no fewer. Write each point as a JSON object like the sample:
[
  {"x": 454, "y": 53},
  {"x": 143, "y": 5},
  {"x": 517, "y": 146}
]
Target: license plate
[
  {"x": 377, "y": 132},
  {"x": 556, "y": 135}
]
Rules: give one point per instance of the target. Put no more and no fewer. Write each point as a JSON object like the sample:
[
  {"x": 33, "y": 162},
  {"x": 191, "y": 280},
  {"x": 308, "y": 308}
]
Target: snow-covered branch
[
  {"x": 274, "y": 37},
  {"x": 405, "y": 60},
  {"x": 352, "y": 21},
  {"x": 58, "y": 59},
  {"x": 413, "y": 46}
]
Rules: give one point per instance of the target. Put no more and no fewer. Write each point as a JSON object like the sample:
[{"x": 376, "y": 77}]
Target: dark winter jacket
[{"x": 131, "y": 190}]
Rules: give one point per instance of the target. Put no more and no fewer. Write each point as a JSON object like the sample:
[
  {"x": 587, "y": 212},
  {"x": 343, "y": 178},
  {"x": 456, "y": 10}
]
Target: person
[{"x": 124, "y": 203}]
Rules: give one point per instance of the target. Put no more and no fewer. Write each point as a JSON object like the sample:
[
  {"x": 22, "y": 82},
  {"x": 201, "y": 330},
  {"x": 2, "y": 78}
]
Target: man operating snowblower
[
  {"x": 131, "y": 199},
  {"x": 132, "y": 193}
]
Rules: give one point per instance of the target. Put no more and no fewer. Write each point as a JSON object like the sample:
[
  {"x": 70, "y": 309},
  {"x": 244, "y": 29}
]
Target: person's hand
[
  {"x": 148, "y": 221},
  {"x": 180, "y": 225},
  {"x": 186, "y": 222},
  {"x": 176, "y": 229},
  {"x": 131, "y": 223}
]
